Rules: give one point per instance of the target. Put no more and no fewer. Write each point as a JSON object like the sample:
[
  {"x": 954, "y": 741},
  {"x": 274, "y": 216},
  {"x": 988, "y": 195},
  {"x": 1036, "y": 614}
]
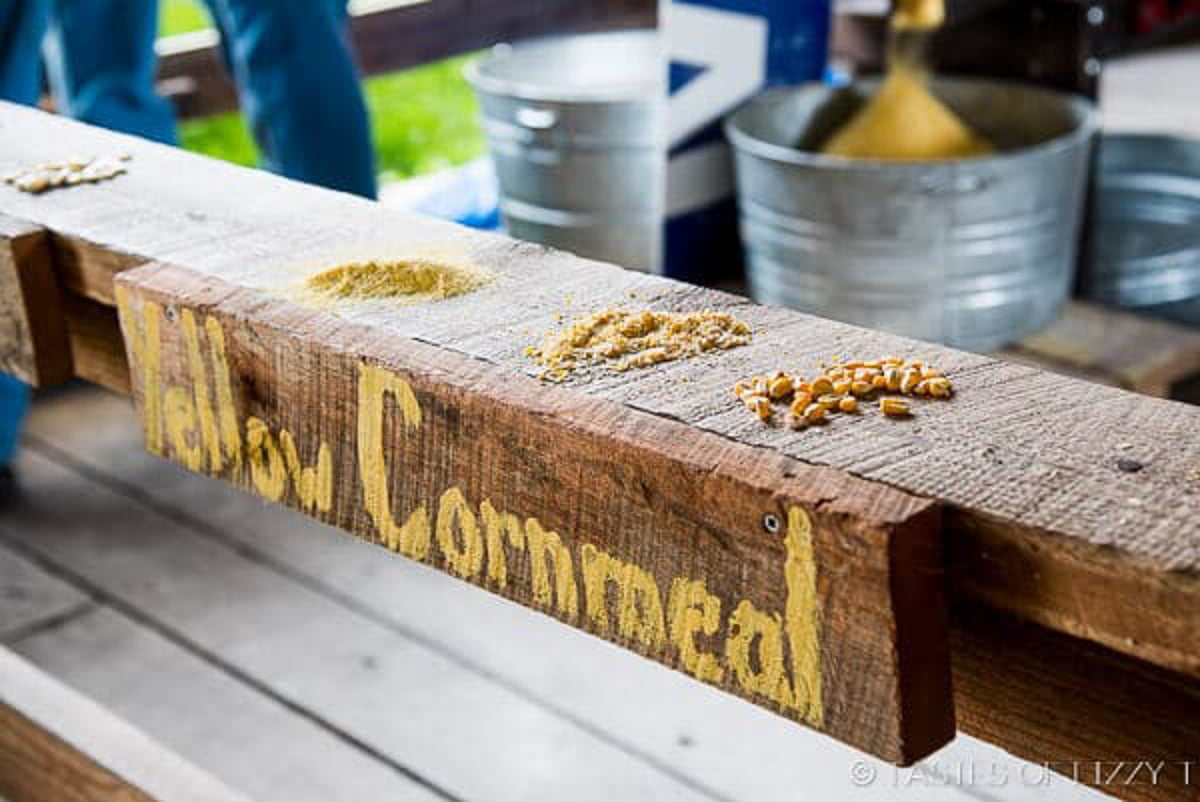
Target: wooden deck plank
[
  {"x": 383, "y": 690},
  {"x": 180, "y": 699},
  {"x": 29, "y": 597},
  {"x": 736, "y": 750},
  {"x": 1032, "y": 456},
  {"x": 55, "y": 744}
]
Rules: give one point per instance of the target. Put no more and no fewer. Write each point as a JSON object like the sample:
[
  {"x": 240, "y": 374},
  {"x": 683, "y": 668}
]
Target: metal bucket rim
[
  {"x": 646, "y": 92},
  {"x": 746, "y": 143}
]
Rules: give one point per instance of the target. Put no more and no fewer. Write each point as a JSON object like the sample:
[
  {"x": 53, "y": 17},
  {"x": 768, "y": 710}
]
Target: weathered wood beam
[
  {"x": 33, "y": 340},
  {"x": 192, "y": 71},
  {"x": 56, "y": 744},
  {"x": 1039, "y": 515},
  {"x": 1082, "y": 711}
]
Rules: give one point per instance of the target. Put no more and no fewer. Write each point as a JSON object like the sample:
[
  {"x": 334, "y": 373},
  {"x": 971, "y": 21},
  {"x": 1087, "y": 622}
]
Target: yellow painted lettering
[
  {"x": 800, "y": 616},
  {"x": 691, "y": 611},
  {"x": 144, "y": 344},
  {"x": 639, "y": 604},
  {"x": 754, "y": 648},
  {"x": 267, "y": 471},
  {"x": 231, "y": 437},
  {"x": 313, "y": 485},
  {"x": 374, "y": 383},
  {"x": 208, "y": 424},
  {"x": 455, "y": 513},
  {"x": 547, "y": 555},
  {"x": 180, "y": 413},
  {"x": 497, "y": 527}
]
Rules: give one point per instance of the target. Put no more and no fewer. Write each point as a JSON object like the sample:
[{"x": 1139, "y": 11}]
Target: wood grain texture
[
  {"x": 33, "y": 343},
  {"x": 1093, "y": 715},
  {"x": 1032, "y": 456},
  {"x": 56, "y": 745},
  {"x": 637, "y": 529},
  {"x": 1109, "y": 346}
]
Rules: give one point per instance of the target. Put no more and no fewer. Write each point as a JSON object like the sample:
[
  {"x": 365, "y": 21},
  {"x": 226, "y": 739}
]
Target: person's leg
[
  {"x": 22, "y": 28},
  {"x": 14, "y": 402},
  {"x": 300, "y": 89},
  {"x": 101, "y": 63}
]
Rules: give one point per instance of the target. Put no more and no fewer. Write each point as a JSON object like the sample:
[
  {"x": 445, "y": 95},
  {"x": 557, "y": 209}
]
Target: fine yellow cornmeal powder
[
  {"x": 625, "y": 339},
  {"x": 416, "y": 279}
]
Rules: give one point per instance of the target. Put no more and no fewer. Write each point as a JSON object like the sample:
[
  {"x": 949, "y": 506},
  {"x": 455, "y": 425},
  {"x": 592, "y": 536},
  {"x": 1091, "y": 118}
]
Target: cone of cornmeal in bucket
[{"x": 904, "y": 121}]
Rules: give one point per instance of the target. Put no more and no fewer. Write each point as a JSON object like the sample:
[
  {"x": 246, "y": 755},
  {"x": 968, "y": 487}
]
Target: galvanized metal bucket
[
  {"x": 575, "y": 127},
  {"x": 1145, "y": 244},
  {"x": 975, "y": 253}
]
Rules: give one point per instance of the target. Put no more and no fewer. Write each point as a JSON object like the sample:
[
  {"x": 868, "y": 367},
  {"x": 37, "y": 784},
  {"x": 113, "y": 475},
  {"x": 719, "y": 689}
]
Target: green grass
[
  {"x": 181, "y": 16},
  {"x": 423, "y": 119}
]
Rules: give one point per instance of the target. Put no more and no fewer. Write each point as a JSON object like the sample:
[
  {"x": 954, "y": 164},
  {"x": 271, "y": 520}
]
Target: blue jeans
[{"x": 291, "y": 60}]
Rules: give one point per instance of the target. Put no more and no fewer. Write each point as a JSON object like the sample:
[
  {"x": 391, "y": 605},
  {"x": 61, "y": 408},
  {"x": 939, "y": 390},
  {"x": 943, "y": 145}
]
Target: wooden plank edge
[
  {"x": 773, "y": 580},
  {"x": 56, "y": 744},
  {"x": 1077, "y": 588},
  {"x": 34, "y": 340}
]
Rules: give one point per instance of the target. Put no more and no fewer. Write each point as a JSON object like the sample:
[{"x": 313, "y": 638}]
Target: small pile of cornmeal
[
  {"x": 626, "y": 339},
  {"x": 413, "y": 279}
]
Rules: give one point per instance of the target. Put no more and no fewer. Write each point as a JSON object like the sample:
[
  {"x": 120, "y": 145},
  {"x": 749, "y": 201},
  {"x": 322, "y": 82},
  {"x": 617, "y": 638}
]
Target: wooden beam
[
  {"x": 1088, "y": 714},
  {"x": 192, "y": 70},
  {"x": 798, "y": 588},
  {"x": 1056, "y": 492},
  {"x": 56, "y": 744},
  {"x": 33, "y": 341}
]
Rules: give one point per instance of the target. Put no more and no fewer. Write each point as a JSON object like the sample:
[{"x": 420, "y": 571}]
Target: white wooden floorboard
[
  {"x": 247, "y": 740},
  {"x": 29, "y": 597},
  {"x": 473, "y": 738},
  {"x": 722, "y": 743}
]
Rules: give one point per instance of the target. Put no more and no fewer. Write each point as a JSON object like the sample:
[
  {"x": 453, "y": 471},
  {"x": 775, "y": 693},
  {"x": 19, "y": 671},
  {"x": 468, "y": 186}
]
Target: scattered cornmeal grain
[
  {"x": 624, "y": 339},
  {"x": 413, "y": 279},
  {"x": 840, "y": 386}
]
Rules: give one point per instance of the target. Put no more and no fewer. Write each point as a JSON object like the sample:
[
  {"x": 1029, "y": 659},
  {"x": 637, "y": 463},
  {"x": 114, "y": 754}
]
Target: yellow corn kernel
[
  {"x": 779, "y": 386},
  {"x": 848, "y": 404},
  {"x": 814, "y": 413},
  {"x": 822, "y": 385},
  {"x": 758, "y": 404},
  {"x": 922, "y": 387},
  {"x": 861, "y": 387},
  {"x": 853, "y": 364},
  {"x": 916, "y": 364},
  {"x": 892, "y": 377},
  {"x": 893, "y": 407},
  {"x": 940, "y": 387},
  {"x": 800, "y": 402},
  {"x": 842, "y": 386},
  {"x": 829, "y": 401},
  {"x": 879, "y": 382},
  {"x": 909, "y": 381},
  {"x": 930, "y": 372},
  {"x": 865, "y": 374},
  {"x": 741, "y": 389},
  {"x": 802, "y": 386},
  {"x": 761, "y": 385},
  {"x": 872, "y": 363},
  {"x": 892, "y": 360}
]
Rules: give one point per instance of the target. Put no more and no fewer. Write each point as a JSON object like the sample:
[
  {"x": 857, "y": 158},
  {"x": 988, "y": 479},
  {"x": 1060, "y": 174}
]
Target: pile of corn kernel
[
  {"x": 625, "y": 339},
  {"x": 839, "y": 388},
  {"x": 68, "y": 173}
]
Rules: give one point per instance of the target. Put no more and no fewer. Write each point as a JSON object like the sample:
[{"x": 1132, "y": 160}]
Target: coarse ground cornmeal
[
  {"x": 416, "y": 279},
  {"x": 625, "y": 339}
]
